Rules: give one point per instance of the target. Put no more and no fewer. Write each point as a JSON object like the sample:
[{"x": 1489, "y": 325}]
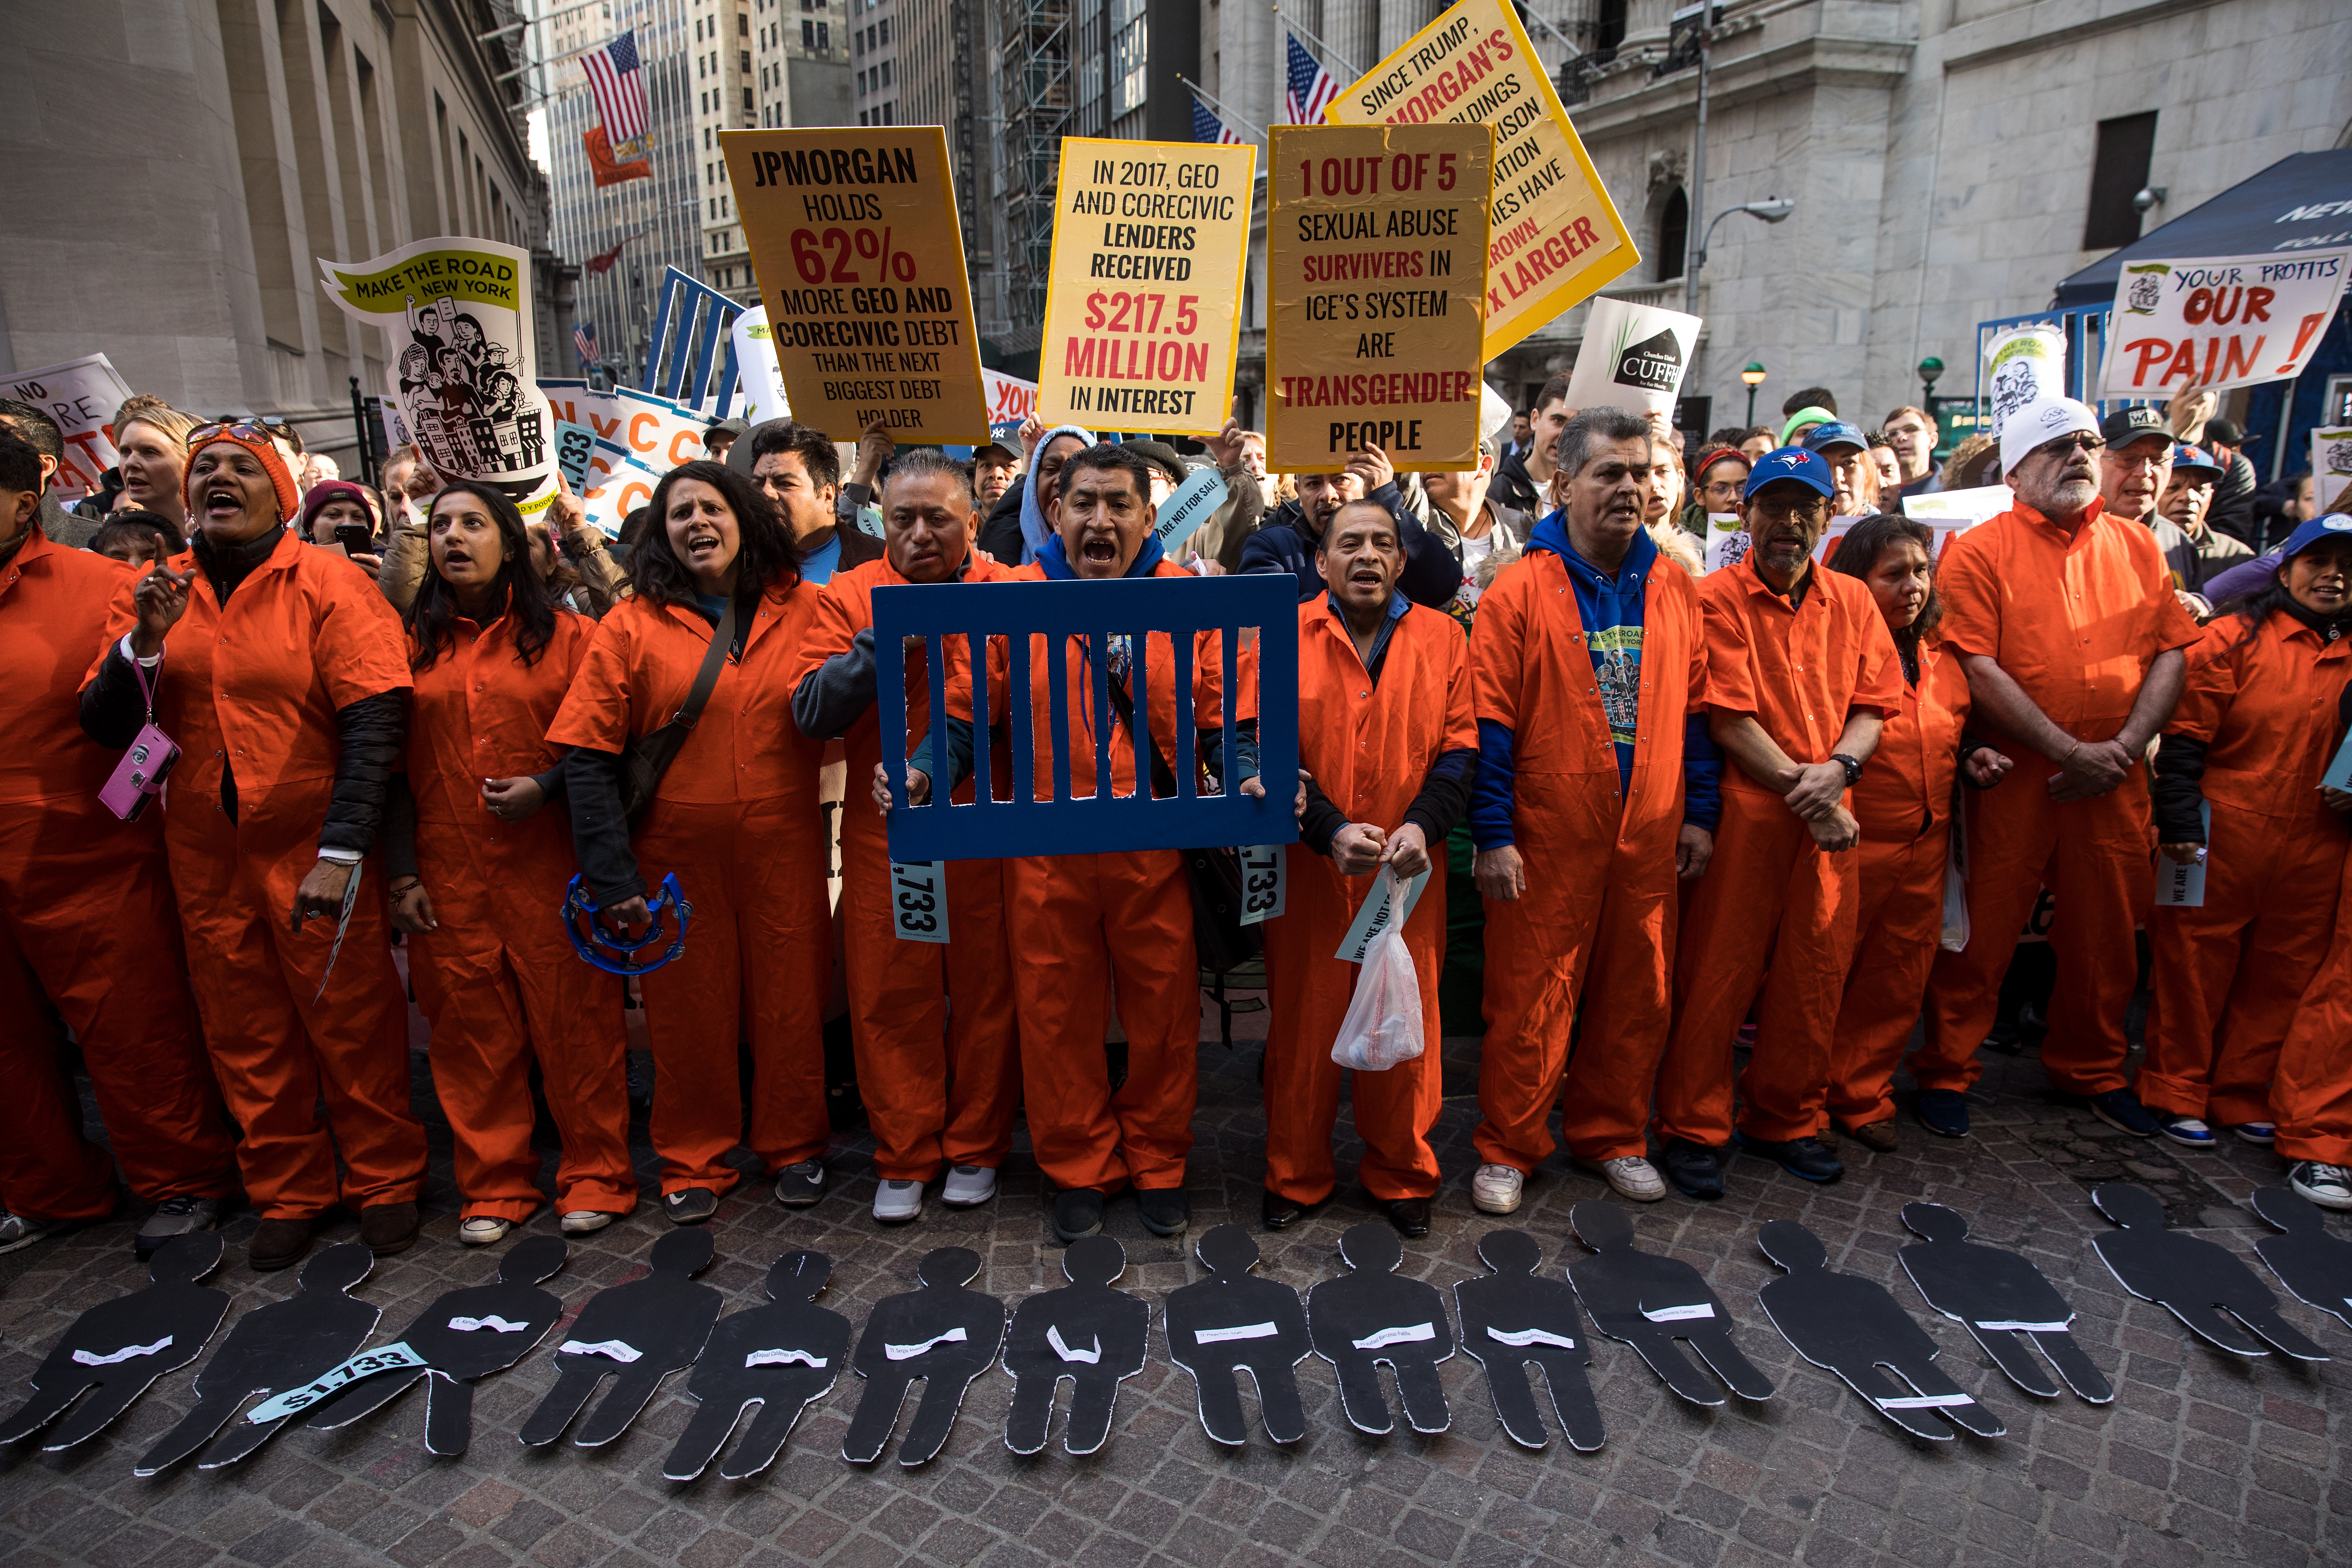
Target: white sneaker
[
  {"x": 968, "y": 1185},
  {"x": 584, "y": 1222},
  {"x": 482, "y": 1230},
  {"x": 1630, "y": 1177},
  {"x": 22, "y": 1229},
  {"x": 895, "y": 1203},
  {"x": 2329, "y": 1186},
  {"x": 1496, "y": 1189}
]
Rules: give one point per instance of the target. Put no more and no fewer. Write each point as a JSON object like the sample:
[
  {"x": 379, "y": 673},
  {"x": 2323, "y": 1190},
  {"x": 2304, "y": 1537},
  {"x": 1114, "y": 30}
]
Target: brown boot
[
  {"x": 387, "y": 1228},
  {"x": 1879, "y": 1136},
  {"x": 279, "y": 1244}
]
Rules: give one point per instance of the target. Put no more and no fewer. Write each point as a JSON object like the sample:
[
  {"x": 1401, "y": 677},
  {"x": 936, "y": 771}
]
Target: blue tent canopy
[{"x": 2303, "y": 202}]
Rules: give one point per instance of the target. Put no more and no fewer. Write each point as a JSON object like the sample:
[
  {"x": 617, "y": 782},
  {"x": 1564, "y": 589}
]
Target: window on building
[
  {"x": 742, "y": 26},
  {"x": 886, "y": 73},
  {"x": 824, "y": 38},
  {"x": 885, "y": 26},
  {"x": 1674, "y": 235},
  {"x": 1130, "y": 50},
  {"x": 743, "y": 59},
  {"x": 749, "y": 100},
  {"x": 2118, "y": 173},
  {"x": 889, "y": 115},
  {"x": 808, "y": 34}
]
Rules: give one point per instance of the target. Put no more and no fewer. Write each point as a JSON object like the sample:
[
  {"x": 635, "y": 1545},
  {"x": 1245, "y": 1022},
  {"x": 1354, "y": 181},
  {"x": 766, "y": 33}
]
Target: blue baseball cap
[
  {"x": 1837, "y": 433},
  {"x": 1791, "y": 463},
  {"x": 2334, "y": 525},
  {"x": 2186, "y": 457}
]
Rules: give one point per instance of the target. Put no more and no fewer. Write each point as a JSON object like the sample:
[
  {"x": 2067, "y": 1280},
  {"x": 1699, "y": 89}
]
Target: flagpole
[
  {"x": 1296, "y": 26},
  {"x": 1220, "y": 106}
]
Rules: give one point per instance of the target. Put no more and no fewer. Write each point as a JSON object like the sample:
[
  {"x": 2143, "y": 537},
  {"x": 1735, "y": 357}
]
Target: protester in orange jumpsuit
[
  {"x": 939, "y": 1059},
  {"x": 1127, "y": 914},
  {"x": 1904, "y": 803},
  {"x": 2066, "y": 620},
  {"x": 479, "y": 866},
  {"x": 85, "y": 917},
  {"x": 736, "y": 818},
  {"x": 2251, "y": 738},
  {"x": 1595, "y": 794},
  {"x": 282, "y": 675},
  {"x": 1388, "y": 738},
  {"x": 1800, "y": 674}
]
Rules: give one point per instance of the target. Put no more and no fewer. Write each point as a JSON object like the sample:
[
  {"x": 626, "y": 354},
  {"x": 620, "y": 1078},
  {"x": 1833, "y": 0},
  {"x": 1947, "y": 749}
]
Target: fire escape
[{"x": 1038, "y": 103}]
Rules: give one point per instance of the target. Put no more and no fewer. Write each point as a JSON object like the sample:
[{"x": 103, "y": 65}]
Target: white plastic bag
[
  {"x": 1384, "y": 1023},
  {"x": 1956, "y": 890}
]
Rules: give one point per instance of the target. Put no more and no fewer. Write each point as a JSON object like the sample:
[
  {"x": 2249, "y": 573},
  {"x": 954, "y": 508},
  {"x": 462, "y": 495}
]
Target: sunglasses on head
[
  {"x": 2080, "y": 441},
  {"x": 241, "y": 430}
]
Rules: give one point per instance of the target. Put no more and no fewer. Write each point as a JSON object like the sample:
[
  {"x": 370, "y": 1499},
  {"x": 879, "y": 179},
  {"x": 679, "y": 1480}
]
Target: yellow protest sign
[
  {"x": 1144, "y": 316},
  {"x": 852, "y": 234},
  {"x": 1373, "y": 240},
  {"x": 1555, "y": 235}
]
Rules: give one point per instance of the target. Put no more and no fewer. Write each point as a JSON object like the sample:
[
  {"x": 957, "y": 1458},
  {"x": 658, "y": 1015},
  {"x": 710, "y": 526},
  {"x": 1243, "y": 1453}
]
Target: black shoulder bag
[
  {"x": 1215, "y": 874},
  {"x": 646, "y": 758}
]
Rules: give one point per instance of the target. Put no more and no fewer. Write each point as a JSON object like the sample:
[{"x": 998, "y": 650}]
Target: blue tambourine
[{"x": 577, "y": 902}]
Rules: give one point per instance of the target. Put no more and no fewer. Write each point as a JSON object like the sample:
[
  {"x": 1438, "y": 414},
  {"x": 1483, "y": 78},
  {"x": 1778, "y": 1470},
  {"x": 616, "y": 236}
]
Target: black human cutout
[
  {"x": 1372, "y": 1314},
  {"x": 942, "y": 1335},
  {"x": 272, "y": 1349},
  {"x": 116, "y": 1350},
  {"x": 1087, "y": 1331},
  {"x": 780, "y": 1358},
  {"x": 1511, "y": 1320},
  {"x": 639, "y": 1332},
  {"x": 2316, "y": 1266},
  {"x": 1855, "y": 1328},
  {"x": 465, "y": 1336},
  {"x": 2002, "y": 1299},
  {"x": 1649, "y": 1300},
  {"x": 1233, "y": 1322},
  {"x": 2194, "y": 1279}
]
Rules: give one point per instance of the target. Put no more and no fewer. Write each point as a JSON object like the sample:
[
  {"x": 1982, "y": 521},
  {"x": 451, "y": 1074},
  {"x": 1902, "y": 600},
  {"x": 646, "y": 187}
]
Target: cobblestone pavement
[{"x": 2202, "y": 1458}]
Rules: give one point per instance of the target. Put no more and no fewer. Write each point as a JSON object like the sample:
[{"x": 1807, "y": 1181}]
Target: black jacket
[
  {"x": 1430, "y": 573},
  {"x": 2233, "y": 511},
  {"x": 1514, "y": 488}
]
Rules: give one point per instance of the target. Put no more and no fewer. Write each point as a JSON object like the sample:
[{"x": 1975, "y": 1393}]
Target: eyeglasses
[
  {"x": 1788, "y": 506},
  {"x": 2066, "y": 445},
  {"x": 241, "y": 430}
]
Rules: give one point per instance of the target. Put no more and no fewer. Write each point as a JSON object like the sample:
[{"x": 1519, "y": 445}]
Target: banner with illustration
[
  {"x": 2331, "y": 469},
  {"x": 2236, "y": 320},
  {"x": 2023, "y": 365},
  {"x": 457, "y": 313},
  {"x": 1632, "y": 357}
]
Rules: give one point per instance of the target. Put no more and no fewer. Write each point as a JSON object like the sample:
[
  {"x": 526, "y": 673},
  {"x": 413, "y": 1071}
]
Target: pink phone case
[{"x": 140, "y": 777}]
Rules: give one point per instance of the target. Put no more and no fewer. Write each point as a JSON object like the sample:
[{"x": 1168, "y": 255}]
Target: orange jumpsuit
[
  {"x": 1128, "y": 914},
  {"x": 1904, "y": 801},
  {"x": 2075, "y": 622},
  {"x": 2228, "y": 975},
  {"x": 86, "y": 915},
  {"x": 2311, "y": 1093},
  {"x": 738, "y": 818},
  {"x": 1369, "y": 747},
  {"x": 1771, "y": 898},
  {"x": 253, "y": 688},
  {"x": 939, "y": 1060},
  {"x": 496, "y": 977},
  {"x": 1594, "y": 930}
]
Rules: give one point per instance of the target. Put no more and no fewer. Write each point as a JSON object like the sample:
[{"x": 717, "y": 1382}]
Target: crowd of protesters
[{"x": 1799, "y": 808}]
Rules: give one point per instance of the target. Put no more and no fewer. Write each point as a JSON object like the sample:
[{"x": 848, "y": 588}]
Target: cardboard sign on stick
[
  {"x": 1632, "y": 357},
  {"x": 1373, "y": 239},
  {"x": 2235, "y": 321},
  {"x": 853, "y": 235},
  {"x": 1556, "y": 237},
  {"x": 81, "y": 395},
  {"x": 1144, "y": 308},
  {"x": 2331, "y": 467}
]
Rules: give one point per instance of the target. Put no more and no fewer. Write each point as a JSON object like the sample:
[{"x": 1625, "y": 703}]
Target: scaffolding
[{"x": 1035, "y": 60}]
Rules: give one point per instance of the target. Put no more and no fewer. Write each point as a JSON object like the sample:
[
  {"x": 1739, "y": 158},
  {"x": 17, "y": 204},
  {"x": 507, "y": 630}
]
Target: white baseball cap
[{"x": 2043, "y": 419}]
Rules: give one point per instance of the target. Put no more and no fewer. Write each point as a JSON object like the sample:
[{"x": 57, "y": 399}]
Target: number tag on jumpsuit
[{"x": 919, "y": 899}]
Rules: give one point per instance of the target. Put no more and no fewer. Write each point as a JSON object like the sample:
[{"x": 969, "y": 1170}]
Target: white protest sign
[
  {"x": 918, "y": 901},
  {"x": 1264, "y": 885},
  {"x": 81, "y": 395},
  {"x": 1184, "y": 512},
  {"x": 2216, "y": 323},
  {"x": 618, "y": 485},
  {"x": 2022, "y": 365},
  {"x": 2331, "y": 467},
  {"x": 1389, "y": 901},
  {"x": 1970, "y": 507},
  {"x": 1011, "y": 400},
  {"x": 2182, "y": 886},
  {"x": 759, "y": 384},
  {"x": 1633, "y": 357},
  {"x": 1837, "y": 529},
  {"x": 1726, "y": 540}
]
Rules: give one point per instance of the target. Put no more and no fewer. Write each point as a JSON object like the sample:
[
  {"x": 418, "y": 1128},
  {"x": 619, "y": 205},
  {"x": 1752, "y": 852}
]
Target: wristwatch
[{"x": 1853, "y": 766}]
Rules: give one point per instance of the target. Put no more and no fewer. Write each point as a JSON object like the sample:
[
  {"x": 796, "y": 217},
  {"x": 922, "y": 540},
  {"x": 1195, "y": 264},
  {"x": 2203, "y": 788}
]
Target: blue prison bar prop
[
  {"x": 691, "y": 330},
  {"x": 989, "y": 828}
]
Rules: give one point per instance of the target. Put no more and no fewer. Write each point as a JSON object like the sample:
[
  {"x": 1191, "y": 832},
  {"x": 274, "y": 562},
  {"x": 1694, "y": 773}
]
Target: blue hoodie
[{"x": 1611, "y": 605}]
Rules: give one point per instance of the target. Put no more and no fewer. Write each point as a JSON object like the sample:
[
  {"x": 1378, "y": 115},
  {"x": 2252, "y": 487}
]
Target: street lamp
[
  {"x": 1754, "y": 377},
  {"x": 1771, "y": 209},
  {"x": 1930, "y": 369}
]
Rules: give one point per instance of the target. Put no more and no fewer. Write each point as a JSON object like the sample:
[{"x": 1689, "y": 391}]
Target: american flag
[
  {"x": 1207, "y": 126},
  {"x": 1311, "y": 89},
  {"x": 583, "y": 338},
  {"x": 619, "y": 89}
]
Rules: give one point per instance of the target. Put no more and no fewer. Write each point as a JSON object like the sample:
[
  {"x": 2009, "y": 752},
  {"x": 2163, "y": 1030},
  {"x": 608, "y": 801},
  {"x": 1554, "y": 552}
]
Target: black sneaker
[
  {"x": 1077, "y": 1215},
  {"x": 2121, "y": 1109},
  {"x": 1694, "y": 1169},
  {"x": 802, "y": 1185},
  {"x": 689, "y": 1206},
  {"x": 1943, "y": 1111},
  {"x": 1166, "y": 1211},
  {"x": 1804, "y": 1157},
  {"x": 1410, "y": 1215}
]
